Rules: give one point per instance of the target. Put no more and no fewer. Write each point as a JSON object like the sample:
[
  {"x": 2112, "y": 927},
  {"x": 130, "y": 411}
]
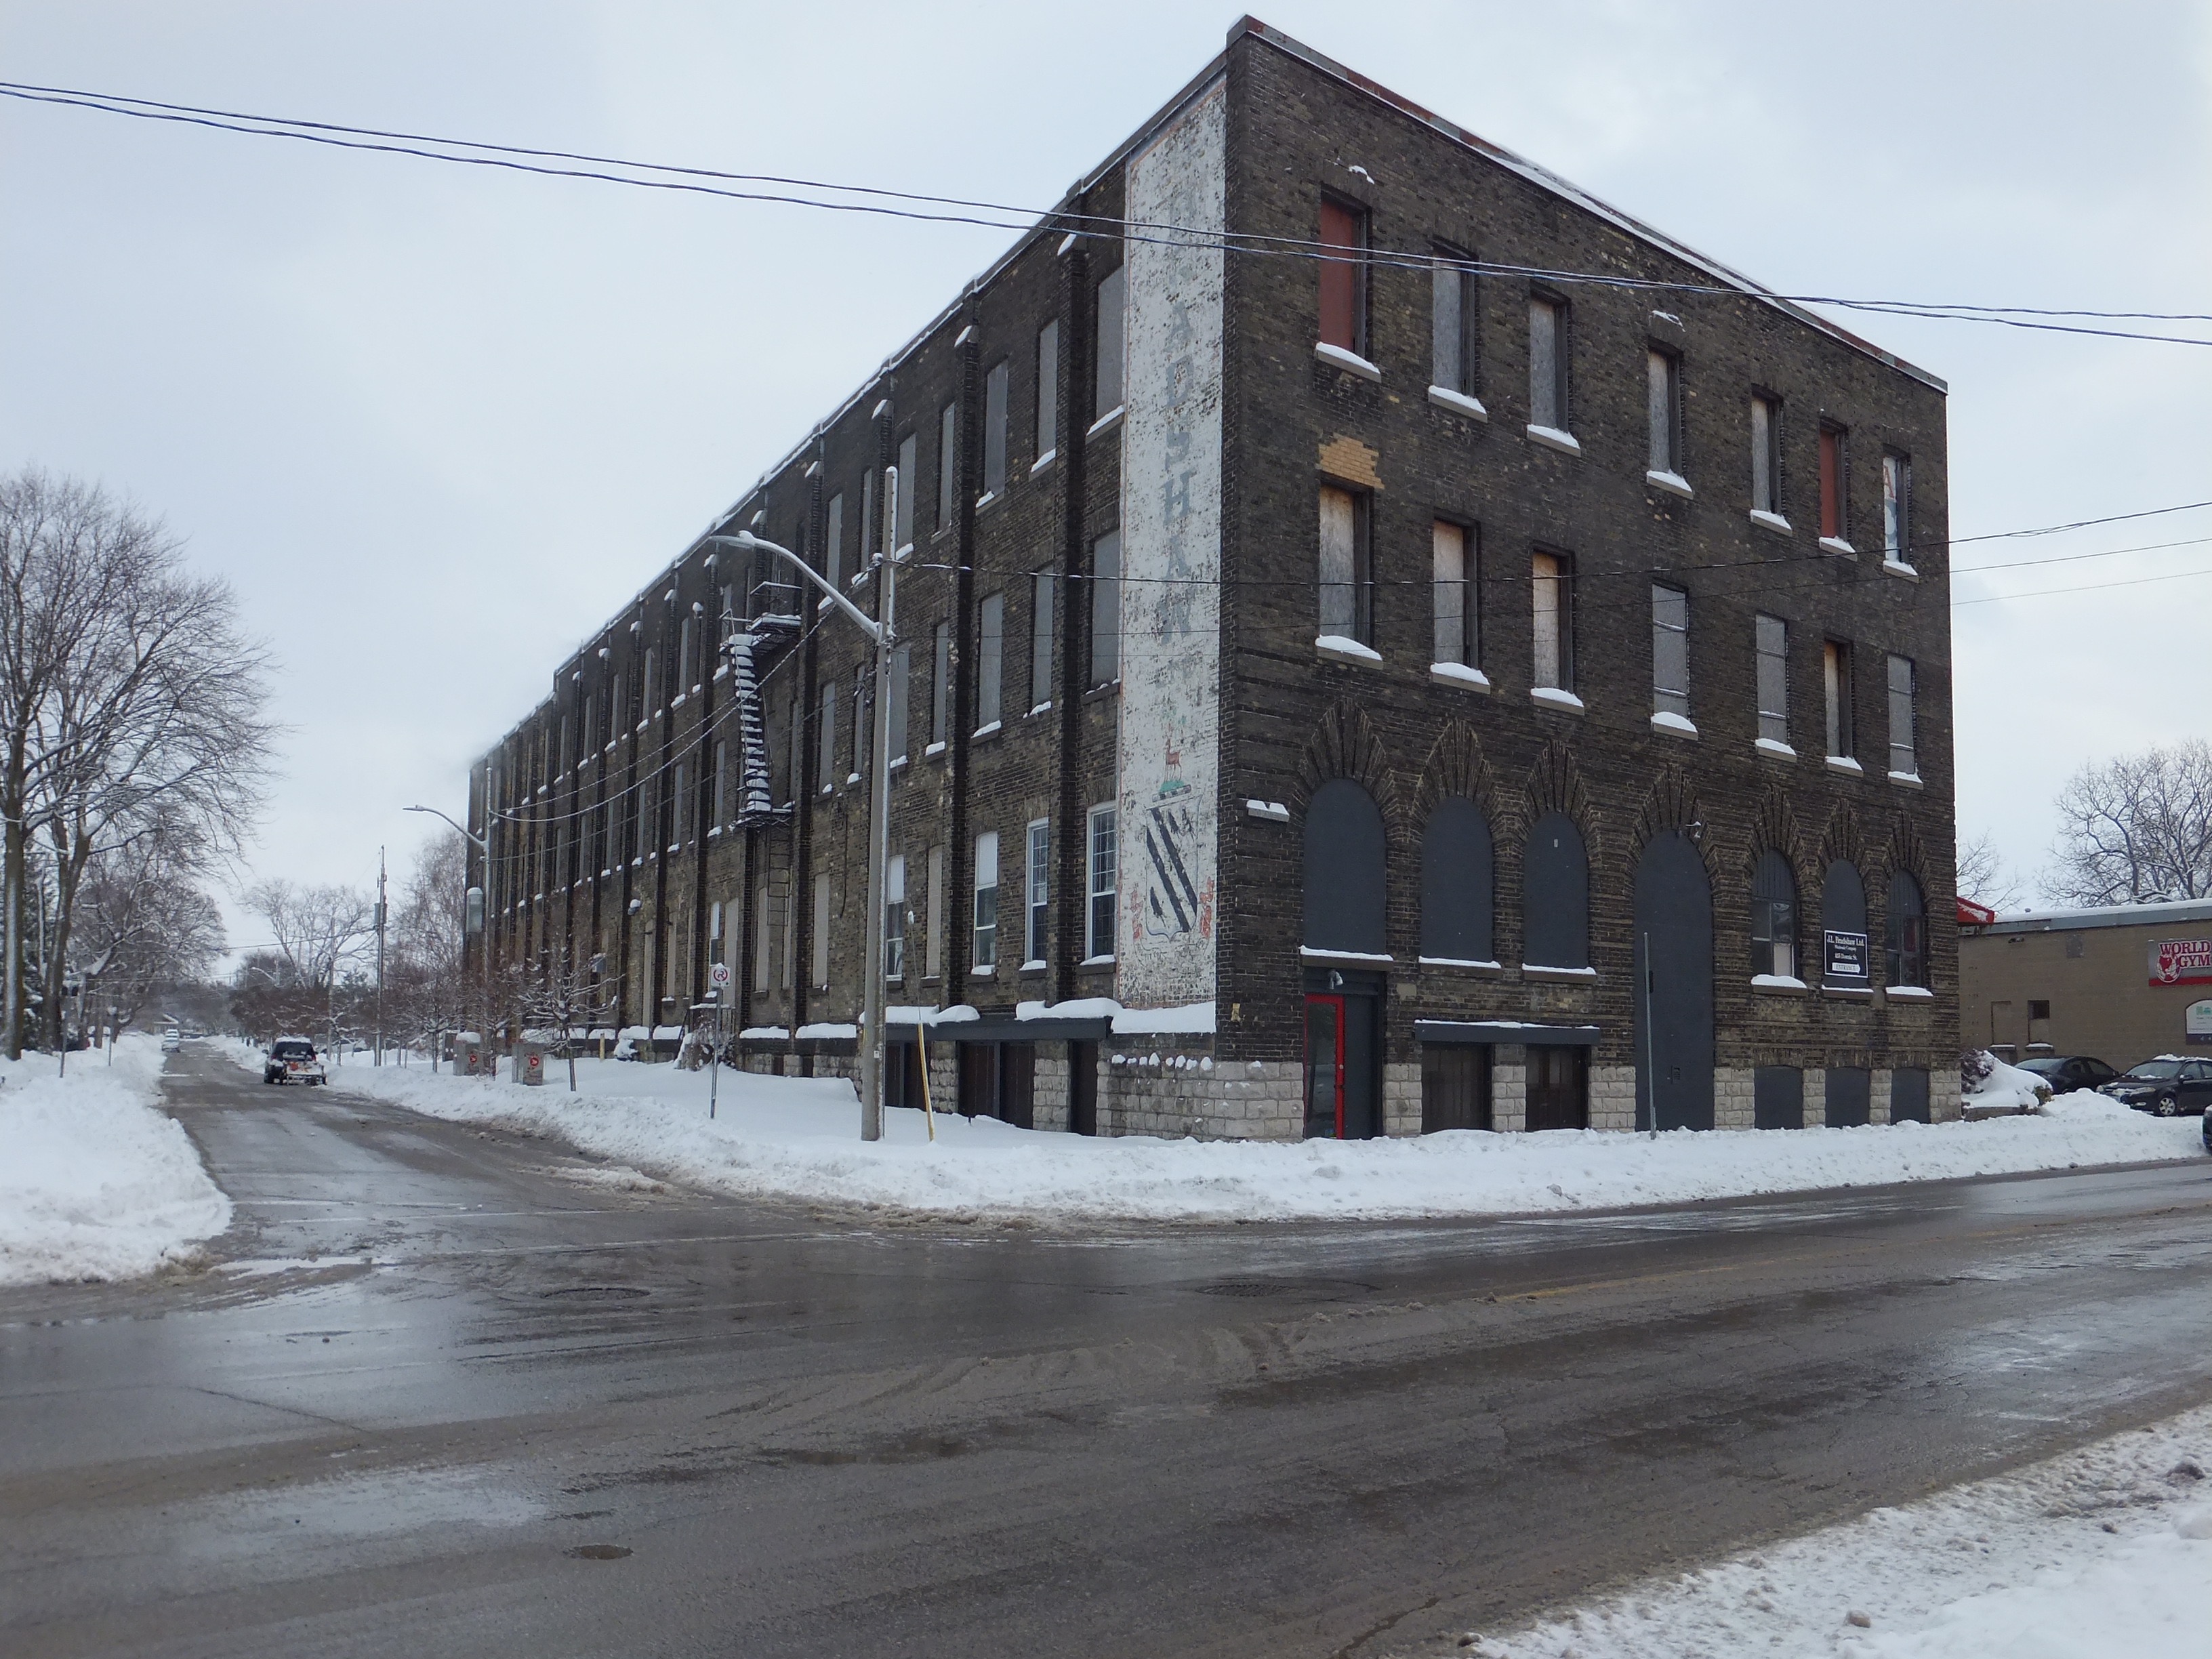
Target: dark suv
[
  {"x": 2169, "y": 1086},
  {"x": 292, "y": 1059},
  {"x": 2066, "y": 1073}
]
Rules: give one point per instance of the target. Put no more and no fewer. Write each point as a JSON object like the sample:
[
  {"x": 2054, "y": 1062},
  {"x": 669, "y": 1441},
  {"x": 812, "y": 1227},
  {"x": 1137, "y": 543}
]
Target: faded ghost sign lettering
[{"x": 1170, "y": 757}]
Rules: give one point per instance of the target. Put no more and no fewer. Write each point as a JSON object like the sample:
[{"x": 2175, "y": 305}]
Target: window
[
  {"x": 895, "y": 916},
  {"x": 684, "y": 673},
  {"x": 994, "y": 430},
  {"x": 1663, "y": 396},
  {"x": 1835, "y": 495},
  {"x": 2037, "y": 1008},
  {"x": 990, "y": 659},
  {"x": 1555, "y": 895},
  {"x": 648, "y": 823},
  {"x": 1451, "y": 590},
  {"x": 820, "y": 942},
  {"x": 1670, "y": 651},
  {"x": 680, "y": 831},
  {"x": 1346, "y": 588},
  {"x": 1547, "y": 363},
  {"x": 948, "y": 469},
  {"x": 1897, "y": 508},
  {"x": 1343, "y": 277},
  {"x": 1455, "y": 882},
  {"x": 1048, "y": 388},
  {"x": 1836, "y": 686},
  {"x": 871, "y": 527},
  {"x": 1039, "y": 872},
  {"x": 1771, "y": 637},
  {"x": 833, "y": 541},
  {"x": 902, "y": 503},
  {"x": 940, "y": 689},
  {"x": 825, "y": 759},
  {"x": 1843, "y": 926},
  {"x": 1106, "y": 608},
  {"x": 1099, "y": 923},
  {"x": 934, "y": 955},
  {"x": 1773, "y": 917},
  {"x": 985, "y": 954},
  {"x": 1041, "y": 588},
  {"x": 864, "y": 718},
  {"x": 648, "y": 700},
  {"x": 1553, "y": 583},
  {"x": 1905, "y": 944},
  {"x": 1766, "y": 455},
  {"x": 1111, "y": 297},
  {"x": 1344, "y": 866},
  {"x": 901, "y": 675},
  {"x": 721, "y": 783},
  {"x": 1904, "y": 754},
  {"x": 1452, "y": 331}
]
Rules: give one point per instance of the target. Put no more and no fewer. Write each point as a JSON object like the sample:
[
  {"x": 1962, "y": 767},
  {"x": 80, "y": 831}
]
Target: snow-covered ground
[
  {"x": 97, "y": 1181},
  {"x": 2104, "y": 1554},
  {"x": 800, "y": 1137}
]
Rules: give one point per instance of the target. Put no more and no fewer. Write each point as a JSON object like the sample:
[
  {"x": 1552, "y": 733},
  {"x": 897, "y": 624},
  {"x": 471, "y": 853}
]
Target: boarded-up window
[
  {"x": 996, "y": 385},
  {"x": 1343, "y": 275},
  {"x": 1553, "y": 662},
  {"x": 825, "y": 759},
  {"x": 1663, "y": 402},
  {"x": 1836, "y": 687},
  {"x": 1112, "y": 294},
  {"x": 1831, "y": 483},
  {"x": 1345, "y": 585},
  {"x": 1040, "y": 590},
  {"x": 1897, "y": 508},
  {"x": 1452, "y": 333},
  {"x": 1766, "y": 455},
  {"x": 902, "y": 675},
  {"x": 1547, "y": 363},
  {"x": 819, "y": 944},
  {"x": 990, "y": 659},
  {"x": 1555, "y": 895},
  {"x": 1106, "y": 608},
  {"x": 948, "y": 474},
  {"x": 1904, "y": 742},
  {"x": 833, "y": 540},
  {"x": 1454, "y": 1087},
  {"x": 933, "y": 958},
  {"x": 1344, "y": 870},
  {"x": 1452, "y": 563},
  {"x": 1456, "y": 882},
  {"x": 1048, "y": 393},
  {"x": 940, "y": 685}
]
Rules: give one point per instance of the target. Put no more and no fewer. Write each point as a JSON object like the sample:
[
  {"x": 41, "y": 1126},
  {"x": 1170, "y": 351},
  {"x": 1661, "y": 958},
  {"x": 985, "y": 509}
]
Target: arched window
[
  {"x": 1843, "y": 926},
  {"x": 1455, "y": 882},
  {"x": 1907, "y": 942},
  {"x": 1344, "y": 872},
  {"x": 1774, "y": 917},
  {"x": 1555, "y": 896}
]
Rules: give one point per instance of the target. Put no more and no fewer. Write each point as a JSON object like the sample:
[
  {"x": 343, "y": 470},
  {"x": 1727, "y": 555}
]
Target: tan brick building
[{"x": 2123, "y": 982}]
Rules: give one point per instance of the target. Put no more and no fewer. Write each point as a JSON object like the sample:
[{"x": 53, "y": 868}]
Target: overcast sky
[{"x": 434, "y": 423}]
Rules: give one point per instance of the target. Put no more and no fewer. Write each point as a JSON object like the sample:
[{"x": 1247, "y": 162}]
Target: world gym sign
[{"x": 2181, "y": 962}]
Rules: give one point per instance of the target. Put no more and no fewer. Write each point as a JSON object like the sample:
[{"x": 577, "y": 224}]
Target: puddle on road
[{"x": 351, "y": 1508}]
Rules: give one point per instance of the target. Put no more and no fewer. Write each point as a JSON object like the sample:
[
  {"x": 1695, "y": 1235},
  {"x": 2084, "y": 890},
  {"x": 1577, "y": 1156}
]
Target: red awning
[{"x": 1972, "y": 914}]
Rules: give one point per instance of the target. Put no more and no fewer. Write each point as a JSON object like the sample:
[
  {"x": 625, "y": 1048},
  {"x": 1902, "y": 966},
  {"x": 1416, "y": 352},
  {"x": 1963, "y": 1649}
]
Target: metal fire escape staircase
[{"x": 768, "y": 631}]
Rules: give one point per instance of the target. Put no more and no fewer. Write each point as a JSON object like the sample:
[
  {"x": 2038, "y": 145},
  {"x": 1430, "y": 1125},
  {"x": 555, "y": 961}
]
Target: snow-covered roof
[{"x": 2103, "y": 916}]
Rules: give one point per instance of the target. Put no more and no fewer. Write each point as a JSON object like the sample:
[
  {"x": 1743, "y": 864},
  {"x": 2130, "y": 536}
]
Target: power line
[{"x": 935, "y": 209}]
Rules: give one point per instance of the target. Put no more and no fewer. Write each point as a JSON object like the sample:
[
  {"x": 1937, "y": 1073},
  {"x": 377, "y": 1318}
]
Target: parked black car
[
  {"x": 2169, "y": 1086},
  {"x": 2066, "y": 1073}
]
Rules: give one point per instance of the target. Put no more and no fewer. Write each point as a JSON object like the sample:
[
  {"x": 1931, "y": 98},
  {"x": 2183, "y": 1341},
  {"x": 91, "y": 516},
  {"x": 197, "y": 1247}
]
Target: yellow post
[{"x": 922, "y": 1047}]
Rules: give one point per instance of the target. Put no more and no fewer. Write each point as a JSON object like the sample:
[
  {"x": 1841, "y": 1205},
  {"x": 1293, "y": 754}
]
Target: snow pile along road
[
  {"x": 2105, "y": 1553},
  {"x": 96, "y": 1180},
  {"x": 800, "y": 1137}
]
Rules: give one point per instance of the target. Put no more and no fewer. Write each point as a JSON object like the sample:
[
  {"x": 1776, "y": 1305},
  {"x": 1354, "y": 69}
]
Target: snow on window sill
[
  {"x": 934, "y": 750},
  {"x": 1350, "y": 361},
  {"x": 1106, "y": 961},
  {"x": 823, "y": 603},
  {"x": 1109, "y": 418},
  {"x": 851, "y": 778},
  {"x": 1458, "y": 402},
  {"x": 713, "y": 830},
  {"x": 987, "y": 498},
  {"x": 1775, "y": 747},
  {"x": 1270, "y": 811},
  {"x": 991, "y": 729},
  {"x": 1679, "y": 725},
  {"x": 1909, "y": 994},
  {"x": 1846, "y": 764},
  {"x": 894, "y": 763},
  {"x": 1906, "y": 780},
  {"x": 1855, "y": 992},
  {"x": 1033, "y": 965},
  {"x": 1674, "y": 483},
  {"x": 1780, "y": 985},
  {"x": 1310, "y": 954},
  {"x": 1553, "y": 696},
  {"x": 1552, "y": 438},
  {"x": 1773, "y": 521},
  {"x": 1469, "y": 963},
  {"x": 1043, "y": 461},
  {"x": 1458, "y": 674},
  {"x": 679, "y": 700},
  {"x": 1341, "y": 649},
  {"x": 1537, "y": 970},
  {"x": 1838, "y": 546},
  {"x": 722, "y": 671},
  {"x": 1044, "y": 708},
  {"x": 1892, "y": 567},
  {"x": 829, "y": 788}
]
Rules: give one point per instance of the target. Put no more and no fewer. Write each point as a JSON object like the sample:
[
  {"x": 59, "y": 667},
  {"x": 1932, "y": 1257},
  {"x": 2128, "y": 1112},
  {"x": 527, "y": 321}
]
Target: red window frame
[{"x": 1335, "y": 1004}]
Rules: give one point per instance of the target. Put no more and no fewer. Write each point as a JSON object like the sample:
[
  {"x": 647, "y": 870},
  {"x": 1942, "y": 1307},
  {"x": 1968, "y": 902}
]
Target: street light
[
  {"x": 881, "y": 629},
  {"x": 482, "y": 844}
]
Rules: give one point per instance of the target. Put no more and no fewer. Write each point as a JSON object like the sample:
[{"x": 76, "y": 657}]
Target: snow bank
[
  {"x": 97, "y": 1181},
  {"x": 2105, "y": 1553},
  {"x": 800, "y": 1137},
  {"x": 2008, "y": 1088}
]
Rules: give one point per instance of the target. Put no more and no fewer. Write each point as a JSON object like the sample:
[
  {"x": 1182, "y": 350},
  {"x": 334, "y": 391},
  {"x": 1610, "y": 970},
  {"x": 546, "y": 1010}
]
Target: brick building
[
  {"x": 2123, "y": 982},
  {"x": 1358, "y": 674}
]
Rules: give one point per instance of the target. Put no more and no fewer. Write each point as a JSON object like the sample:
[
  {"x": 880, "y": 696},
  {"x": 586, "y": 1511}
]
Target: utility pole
[{"x": 379, "y": 956}]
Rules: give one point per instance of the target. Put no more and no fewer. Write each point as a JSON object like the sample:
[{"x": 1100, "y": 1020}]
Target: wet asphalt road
[{"x": 562, "y": 1415}]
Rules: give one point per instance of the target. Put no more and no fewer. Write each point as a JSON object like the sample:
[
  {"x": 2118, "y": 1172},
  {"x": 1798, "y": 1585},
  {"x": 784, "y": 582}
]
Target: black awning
[{"x": 1463, "y": 1032}]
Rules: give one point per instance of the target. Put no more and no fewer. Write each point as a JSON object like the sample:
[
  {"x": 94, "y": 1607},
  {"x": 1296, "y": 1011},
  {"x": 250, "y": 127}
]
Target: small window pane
[
  {"x": 1659, "y": 397},
  {"x": 1103, "y": 855},
  {"x": 902, "y": 672},
  {"x": 990, "y": 658},
  {"x": 996, "y": 387},
  {"x": 1039, "y": 872},
  {"x": 1544, "y": 402},
  {"x": 833, "y": 549},
  {"x": 1896, "y": 510},
  {"x": 1106, "y": 608},
  {"x": 948, "y": 441},
  {"x": 1339, "y": 564},
  {"x": 1903, "y": 751},
  {"x": 1553, "y": 660},
  {"x": 1670, "y": 652},
  {"x": 1447, "y": 332},
  {"x": 1041, "y": 595},
  {"x": 940, "y": 689},
  {"x": 985, "y": 953},
  {"x": 1111, "y": 295},
  {"x": 1449, "y": 545},
  {"x": 1048, "y": 386},
  {"x": 1773, "y": 640}
]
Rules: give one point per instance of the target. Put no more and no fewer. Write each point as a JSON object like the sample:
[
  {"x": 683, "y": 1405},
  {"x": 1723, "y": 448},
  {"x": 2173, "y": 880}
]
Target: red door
[{"x": 1325, "y": 1067}]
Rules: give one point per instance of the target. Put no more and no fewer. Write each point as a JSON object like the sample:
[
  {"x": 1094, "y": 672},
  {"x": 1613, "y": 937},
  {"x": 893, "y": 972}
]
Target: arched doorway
[{"x": 1673, "y": 986}]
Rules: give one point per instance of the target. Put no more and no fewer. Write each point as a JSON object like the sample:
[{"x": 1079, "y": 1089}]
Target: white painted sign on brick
[{"x": 1171, "y": 564}]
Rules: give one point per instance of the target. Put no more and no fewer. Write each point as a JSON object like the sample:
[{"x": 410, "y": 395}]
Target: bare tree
[
  {"x": 559, "y": 1002},
  {"x": 318, "y": 931},
  {"x": 1984, "y": 877},
  {"x": 2136, "y": 830},
  {"x": 423, "y": 973},
  {"x": 145, "y": 923},
  {"x": 129, "y": 707}
]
